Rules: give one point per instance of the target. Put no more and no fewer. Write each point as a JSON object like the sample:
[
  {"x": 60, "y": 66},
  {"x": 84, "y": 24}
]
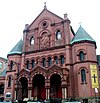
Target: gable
[{"x": 45, "y": 15}]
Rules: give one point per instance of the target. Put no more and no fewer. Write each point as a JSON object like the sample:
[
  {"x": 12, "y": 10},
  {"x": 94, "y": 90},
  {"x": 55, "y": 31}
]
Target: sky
[{"x": 14, "y": 14}]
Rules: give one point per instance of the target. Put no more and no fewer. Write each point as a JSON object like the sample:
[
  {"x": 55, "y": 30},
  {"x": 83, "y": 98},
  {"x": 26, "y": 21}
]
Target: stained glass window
[
  {"x": 83, "y": 75},
  {"x": 58, "y": 35},
  {"x": 33, "y": 63},
  {"x": 49, "y": 61},
  {"x": 44, "y": 62},
  {"x": 56, "y": 59},
  {"x": 62, "y": 59},
  {"x": 81, "y": 55},
  {"x": 31, "y": 40},
  {"x": 9, "y": 81}
]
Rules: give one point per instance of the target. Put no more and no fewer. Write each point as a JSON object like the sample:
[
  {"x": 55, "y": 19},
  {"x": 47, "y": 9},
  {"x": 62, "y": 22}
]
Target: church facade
[{"x": 52, "y": 62}]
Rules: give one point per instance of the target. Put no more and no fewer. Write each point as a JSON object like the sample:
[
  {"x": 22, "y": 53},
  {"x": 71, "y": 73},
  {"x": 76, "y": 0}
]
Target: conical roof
[
  {"x": 17, "y": 48},
  {"x": 3, "y": 73},
  {"x": 81, "y": 35}
]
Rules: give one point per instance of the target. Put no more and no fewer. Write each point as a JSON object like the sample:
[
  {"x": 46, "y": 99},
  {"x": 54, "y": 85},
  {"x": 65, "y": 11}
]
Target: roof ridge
[{"x": 45, "y": 9}]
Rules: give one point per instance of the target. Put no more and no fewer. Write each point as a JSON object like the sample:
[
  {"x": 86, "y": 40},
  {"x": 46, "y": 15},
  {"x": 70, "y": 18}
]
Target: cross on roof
[
  {"x": 45, "y": 5},
  {"x": 80, "y": 23}
]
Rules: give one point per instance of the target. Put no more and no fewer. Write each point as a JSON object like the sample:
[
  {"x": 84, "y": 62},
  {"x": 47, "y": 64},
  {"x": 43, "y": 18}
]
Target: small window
[
  {"x": 62, "y": 59},
  {"x": 44, "y": 24},
  {"x": 33, "y": 64},
  {"x": 49, "y": 61},
  {"x": 83, "y": 76},
  {"x": 44, "y": 62},
  {"x": 58, "y": 35},
  {"x": 27, "y": 64},
  {"x": 0, "y": 65},
  {"x": 56, "y": 59},
  {"x": 11, "y": 65},
  {"x": 31, "y": 40},
  {"x": 9, "y": 81},
  {"x": 81, "y": 55}
]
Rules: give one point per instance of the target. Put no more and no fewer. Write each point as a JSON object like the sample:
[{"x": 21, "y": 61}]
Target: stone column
[
  {"x": 64, "y": 86},
  {"x": 15, "y": 95},
  {"x": 46, "y": 61},
  {"x": 29, "y": 89},
  {"x": 29, "y": 94},
  {"x": 30, "y": 63},
  {"x": 47, "y": 93},
  {"x": 47, "y": 86},
  {"x": 40, "y": 61},
  {"x": 64, "y": 93}
]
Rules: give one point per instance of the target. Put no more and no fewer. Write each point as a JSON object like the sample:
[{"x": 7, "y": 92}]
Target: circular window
[{"x": 44, "y": 24}]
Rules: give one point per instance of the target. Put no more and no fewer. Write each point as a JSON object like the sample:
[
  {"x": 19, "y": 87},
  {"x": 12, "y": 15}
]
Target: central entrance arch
[
  {"x": 55, "y": 86},
  {"x": 38, "y": 87}
]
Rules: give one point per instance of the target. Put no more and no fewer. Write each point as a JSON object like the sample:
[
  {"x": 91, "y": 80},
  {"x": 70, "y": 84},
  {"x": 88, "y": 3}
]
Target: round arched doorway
[
  {"x": 38, "y": 87},
  {"x": 23, "y": 88},
  {"x": 55, "y": 86}
]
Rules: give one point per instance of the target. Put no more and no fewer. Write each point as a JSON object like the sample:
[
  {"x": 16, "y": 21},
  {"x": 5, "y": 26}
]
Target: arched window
[
  {"x": 81, "y": 55},
  {"x": 9, "y": 81},
  {"x": 11, "y": 65},
  {"x": 44, "y": 62},
  {"x": 49, "y": 61},
  {"x": 27, "y": 64},
  {"x": 56, "y": 59},
  {"x": 83, "y": 76},
  {"x": 31, "y": 40},
  {"x": 62, "y": 59},
  {"x": 58, "y": 35},
  {"x": 33, "y": 64}
]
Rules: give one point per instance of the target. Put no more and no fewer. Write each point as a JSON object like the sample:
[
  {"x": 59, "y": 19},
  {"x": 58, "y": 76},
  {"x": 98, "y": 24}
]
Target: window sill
[
  {"x": 84, "y": 83},
  {"x": 8, "y": 87}
]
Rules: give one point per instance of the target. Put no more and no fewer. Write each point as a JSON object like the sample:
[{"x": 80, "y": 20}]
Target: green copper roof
[
  {"x": 3, "y": 73},
  {"x": 81, "y": 35},
  {"x": 17, "y": 49},
  {"x": 3, "y": 58}
]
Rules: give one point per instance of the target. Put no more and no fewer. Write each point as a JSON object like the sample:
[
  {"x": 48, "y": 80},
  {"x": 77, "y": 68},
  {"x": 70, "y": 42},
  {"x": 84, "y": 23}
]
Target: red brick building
[
  {"x": 51, "y": 61},
  {"x": 3, "y": 66}
]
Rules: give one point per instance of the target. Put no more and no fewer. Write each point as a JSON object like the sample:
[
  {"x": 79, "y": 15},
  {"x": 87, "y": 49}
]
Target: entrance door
[
  {"x": 39, "y": 87},
  {"x": 55, "y": 86}
]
